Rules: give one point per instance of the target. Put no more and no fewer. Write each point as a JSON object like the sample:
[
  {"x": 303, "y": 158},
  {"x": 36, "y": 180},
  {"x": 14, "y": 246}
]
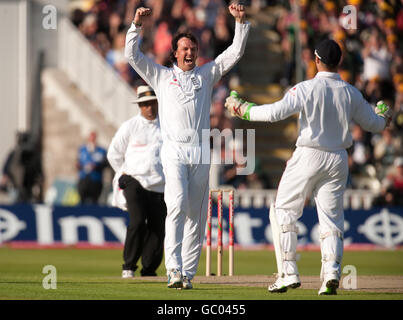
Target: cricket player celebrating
[
  {"x": 184, "y": 94},
  {"x": 326, "y": 106}
]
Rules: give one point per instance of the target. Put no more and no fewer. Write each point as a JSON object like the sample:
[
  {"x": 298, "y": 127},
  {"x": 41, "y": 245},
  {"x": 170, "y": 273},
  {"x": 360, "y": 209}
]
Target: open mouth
[{"x": 188, "y": 60}]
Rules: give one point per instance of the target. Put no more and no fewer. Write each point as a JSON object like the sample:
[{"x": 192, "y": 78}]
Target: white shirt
[
  {"x": 184, "y": 98},
  {"x": 327, "y": 105},
  {"x": 377, "y": 64},
  {"x": 135, "y": 151}
]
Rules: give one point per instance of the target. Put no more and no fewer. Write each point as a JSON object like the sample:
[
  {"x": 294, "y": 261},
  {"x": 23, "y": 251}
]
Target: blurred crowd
[
  {"x": 371, "y": 45},
  {"x": 371, "y": 61}
]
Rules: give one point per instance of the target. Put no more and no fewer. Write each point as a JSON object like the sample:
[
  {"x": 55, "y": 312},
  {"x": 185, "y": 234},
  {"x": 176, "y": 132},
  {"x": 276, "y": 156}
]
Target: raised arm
[
  {"x": 144, "y": 66},
  {"x": 227, "y": 59}
]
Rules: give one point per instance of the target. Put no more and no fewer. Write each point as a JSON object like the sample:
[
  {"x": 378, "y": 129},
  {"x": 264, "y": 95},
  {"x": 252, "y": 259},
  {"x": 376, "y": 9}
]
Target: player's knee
[{"x": 287, "y": 217}]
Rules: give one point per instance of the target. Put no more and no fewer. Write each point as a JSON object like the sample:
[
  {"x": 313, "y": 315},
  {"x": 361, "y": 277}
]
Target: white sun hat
[{"x": 145, "y": 93}]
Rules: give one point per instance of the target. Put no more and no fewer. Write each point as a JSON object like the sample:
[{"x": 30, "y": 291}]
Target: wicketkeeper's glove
[
  {"x": 383, "y": 110},
  {"x": 238, "y": 107}
]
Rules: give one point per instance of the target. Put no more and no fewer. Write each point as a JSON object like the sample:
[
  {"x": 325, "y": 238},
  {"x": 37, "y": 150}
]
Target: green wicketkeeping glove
[
  {"x": 383, "y": 110},
  {"x": 238, "y": 107}
]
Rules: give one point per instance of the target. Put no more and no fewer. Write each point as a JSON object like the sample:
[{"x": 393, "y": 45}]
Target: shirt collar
[
  {"x": 326, "y": 74},
  {"x": 148, "y": 121},
  {"x": 179, "y": 70}
]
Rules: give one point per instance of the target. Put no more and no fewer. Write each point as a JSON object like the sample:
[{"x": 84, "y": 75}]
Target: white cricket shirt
[
  {"x": 184, "y": 98},
  {"x": 327, "y": 105},
  {"x": 135, "y": 151}
]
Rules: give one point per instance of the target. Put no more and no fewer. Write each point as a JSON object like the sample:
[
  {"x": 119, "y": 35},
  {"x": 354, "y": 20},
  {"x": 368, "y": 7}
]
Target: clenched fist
[
  {"x": 237, "y": 11},
  {"x": 140, "y": 13}
]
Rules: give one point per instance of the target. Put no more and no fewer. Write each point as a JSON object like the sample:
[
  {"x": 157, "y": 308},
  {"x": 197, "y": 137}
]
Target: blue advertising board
[{"x": 95, "y": 225}]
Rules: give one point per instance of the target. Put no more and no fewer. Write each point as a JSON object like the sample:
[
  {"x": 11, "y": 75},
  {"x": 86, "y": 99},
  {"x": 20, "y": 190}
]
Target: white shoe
[
  {"x": 175, "y": 279},
  {"x": 186, "y": 283},
  {"x": 284, "y": 282},
  {"x": 329, "y": 287},
  {"x": 127, "y": 274}
]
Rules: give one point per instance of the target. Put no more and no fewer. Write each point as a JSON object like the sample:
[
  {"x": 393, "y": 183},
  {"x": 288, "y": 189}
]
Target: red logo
[
  {"x": 237, "y": 110},
  {"x": 138, "y": 145}
]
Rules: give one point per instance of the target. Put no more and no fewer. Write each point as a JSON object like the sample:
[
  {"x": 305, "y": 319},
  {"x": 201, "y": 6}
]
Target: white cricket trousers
[
  {"x": 186, "y": 198},
  {"x": 323, "y": 175}
]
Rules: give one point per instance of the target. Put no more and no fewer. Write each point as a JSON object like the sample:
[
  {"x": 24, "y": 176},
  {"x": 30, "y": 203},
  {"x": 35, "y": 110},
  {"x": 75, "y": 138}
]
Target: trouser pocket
[{"x": 125, "y": 180}]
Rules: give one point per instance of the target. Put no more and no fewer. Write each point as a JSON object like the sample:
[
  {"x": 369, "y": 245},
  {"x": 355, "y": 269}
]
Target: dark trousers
[
  {"x": 146, "y": 230},
  {"x": 89, "y": 190}
]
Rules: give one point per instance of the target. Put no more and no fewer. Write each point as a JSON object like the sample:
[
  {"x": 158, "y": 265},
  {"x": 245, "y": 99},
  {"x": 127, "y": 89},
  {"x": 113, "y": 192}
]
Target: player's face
[
  {"x": 149, "y": 109},
  {"x": 186, "y": 54},
  {"x": 92, "y": 137}
]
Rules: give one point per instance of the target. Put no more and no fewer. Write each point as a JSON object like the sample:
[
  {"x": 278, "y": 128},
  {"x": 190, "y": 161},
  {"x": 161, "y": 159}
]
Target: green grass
[{"x": 95, "y": 274}]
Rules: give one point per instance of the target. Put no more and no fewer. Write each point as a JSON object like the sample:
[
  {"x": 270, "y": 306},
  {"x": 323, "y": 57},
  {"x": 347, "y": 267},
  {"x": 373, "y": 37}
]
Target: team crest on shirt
[{"x": 175, "y": 82}]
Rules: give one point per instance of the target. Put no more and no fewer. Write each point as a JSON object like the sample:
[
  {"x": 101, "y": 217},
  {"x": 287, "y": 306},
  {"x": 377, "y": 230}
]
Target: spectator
[
  {"x": 22, "y": 170},
  {"x": 228, "y": 174},
  {"x": 116, "y": 58},
  {"x": 212, "y": 8},
  {"x": 222, "y": 33},
  {"x": 162, "y": 44},
  {"x": 399, "y": 98},
  {"x": 258, "y": 179},
  {"x": 372, "y": 90},
  {"x": 115, "y": 25},
  {"x": 6, "y": 184},
  {"x": 392, "y": 187},
  {"x": 91, "y": 163},
  {"x": 117, "y": 52},
  {"x": 130, "y": 9},
  {"x": 386, "y": 148},
  {"x": 89, "y": 27},
  {"x": 77, "y": 17},
  {"x": 217, "y": 116},
  {"x": 376, "y": 57},
  {"x": 360, "y": 151},
  {"x": 308, "y": 63}
]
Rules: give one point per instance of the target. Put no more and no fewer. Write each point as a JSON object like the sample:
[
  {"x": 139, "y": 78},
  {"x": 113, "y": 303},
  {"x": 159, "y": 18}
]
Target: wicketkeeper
[{"x": 326, "y": 106}]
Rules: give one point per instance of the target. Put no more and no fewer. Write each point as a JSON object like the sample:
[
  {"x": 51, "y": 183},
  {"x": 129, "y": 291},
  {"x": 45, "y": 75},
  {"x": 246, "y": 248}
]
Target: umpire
[{"x": 138, "y": 185}]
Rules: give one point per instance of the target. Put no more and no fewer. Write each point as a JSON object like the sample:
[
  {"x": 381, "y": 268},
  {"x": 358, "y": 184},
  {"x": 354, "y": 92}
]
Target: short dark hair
[
  {"x": 329, "y": 52},
  {"x": 174, "y": 43}
]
